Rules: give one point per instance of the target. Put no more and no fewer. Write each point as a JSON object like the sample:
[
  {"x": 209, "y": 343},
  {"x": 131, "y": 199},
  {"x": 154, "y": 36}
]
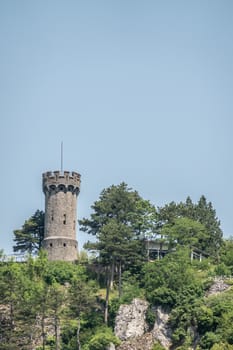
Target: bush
[
  {"x": 209, "y": 339},
  {"x": 222, "y": 270},
  {"x": 158, "y": 347},
  {"x": 205, "y": 319},
  {"x": 150, "y": 318},
  {"x": 101, "y": 340}
]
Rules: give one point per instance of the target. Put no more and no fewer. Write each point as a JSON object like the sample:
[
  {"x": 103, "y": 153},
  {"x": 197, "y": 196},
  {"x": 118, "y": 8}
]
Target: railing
[{"x": 14, "y": 258}]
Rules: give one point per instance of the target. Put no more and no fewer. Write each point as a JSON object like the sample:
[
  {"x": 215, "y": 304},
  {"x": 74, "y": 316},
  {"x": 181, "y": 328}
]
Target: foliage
[
  {"x": 226, "y": 254},
  {"x": 63, "y": 294},
  {"x": 168, "y": 280},
  {"x": 65, "y": 298},
  {"x": 222, "y": 270},
  {"x": 117, "y": 224},
  {"x": 209, "y": 235},
  {"x": 186, "y": 232},
  {"x": 130, "y": 290},
  {"x": 119, "y": 218},
  {"x": 209, "y": 339},
  {"x": 173, "y": 283},
  {"x": 102, "y": 338},
  {"x": 222, "y": 346},
  {"x": 150, "y": 317},
  {"x": 64, "y": 272},
  {"x": 158, "y": 347},
  {"x": 29, "y": 238}
]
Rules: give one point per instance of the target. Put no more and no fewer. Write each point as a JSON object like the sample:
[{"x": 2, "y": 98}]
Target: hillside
[{"x": 60, "y": 305}]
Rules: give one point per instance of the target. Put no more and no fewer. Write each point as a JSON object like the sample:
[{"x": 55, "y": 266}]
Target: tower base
[{"x": 61, "y": 248}]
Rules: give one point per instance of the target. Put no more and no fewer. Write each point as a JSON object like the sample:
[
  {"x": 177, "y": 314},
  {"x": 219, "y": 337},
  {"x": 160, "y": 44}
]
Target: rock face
[
  {"x": 145, "y": 342},
  {"x": 111, "y": 346},
  {"x": 131, "y": 320},
  {"x": 161, "y": 331},
  {"x": 218, "y": 286},
  {"x": 131, "y": 327}
]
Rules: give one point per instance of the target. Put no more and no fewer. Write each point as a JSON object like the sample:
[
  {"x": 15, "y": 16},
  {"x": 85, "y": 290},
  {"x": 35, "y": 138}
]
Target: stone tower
[{"x": 61, "y": 190}]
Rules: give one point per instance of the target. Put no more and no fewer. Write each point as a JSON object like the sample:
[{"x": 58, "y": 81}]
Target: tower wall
[{"x": 61, "y": 190}]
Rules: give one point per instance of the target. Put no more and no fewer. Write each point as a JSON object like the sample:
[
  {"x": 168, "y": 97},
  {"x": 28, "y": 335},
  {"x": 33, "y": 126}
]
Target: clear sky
[{"x": 139, "y": 91}]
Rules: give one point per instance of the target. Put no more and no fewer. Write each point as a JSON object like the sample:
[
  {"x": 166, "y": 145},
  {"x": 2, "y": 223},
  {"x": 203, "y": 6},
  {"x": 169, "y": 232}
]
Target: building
[{"x": 61, "y": 190}]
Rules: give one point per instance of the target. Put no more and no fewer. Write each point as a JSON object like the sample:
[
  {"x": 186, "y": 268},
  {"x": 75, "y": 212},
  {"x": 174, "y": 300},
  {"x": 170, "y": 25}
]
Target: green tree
[
  {"x": 56, "y": 304},
  {"x": 201, "y": 212},
  {"x": 82, "y": 299},
  {"x": 226, "y": 253},
  {"x": 102, "y": 339},
  {"x": 186, "y": 232},
  {"x": 168, "y": 280},
  {"x": 206, "y": 215},
  {"x": 117, "y": 223},
  {"x": 18, "y": 317},
  {"x": 10, "y": 286},
  {"x": 29, "y": 238}
]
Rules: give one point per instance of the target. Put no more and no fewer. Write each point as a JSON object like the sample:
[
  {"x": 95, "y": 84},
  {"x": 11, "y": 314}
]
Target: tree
[
  {"x": 18, "y": 317},
  {"x": 185, "y": 231},
  {"x": 167, "y": 280},
  {"x": 81, "y": 300},
  {"x": 226, "y": 253},
  {"x": 29, "y": 238},
  {"x": 206, "y": 215},
  {"x": 56, "y": 305},
  {"x": 117, "y": 222},
  {"x": 102, "y": 340},
  {"x": 203, "y": 213},
  {"x": 10, "y": 283}
]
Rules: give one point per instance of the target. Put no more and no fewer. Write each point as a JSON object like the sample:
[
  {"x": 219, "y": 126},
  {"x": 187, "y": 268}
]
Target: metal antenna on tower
[{"x": 62, "y": 156}]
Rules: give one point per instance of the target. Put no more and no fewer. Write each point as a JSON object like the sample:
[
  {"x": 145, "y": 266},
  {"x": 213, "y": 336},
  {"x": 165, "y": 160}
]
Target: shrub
[{"x": 102, "y": 339}]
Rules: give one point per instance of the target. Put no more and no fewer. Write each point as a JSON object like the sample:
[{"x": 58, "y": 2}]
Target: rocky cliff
[
  {"x": 131, "y": 327},
  {"x": 131, "y": 320}
]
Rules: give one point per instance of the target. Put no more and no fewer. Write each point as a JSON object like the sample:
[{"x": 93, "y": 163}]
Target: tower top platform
[{"x": 52, "y": 179}]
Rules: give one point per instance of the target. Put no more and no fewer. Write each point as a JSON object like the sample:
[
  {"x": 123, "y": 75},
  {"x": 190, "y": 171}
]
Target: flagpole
[{"x": 62, "y": 156}]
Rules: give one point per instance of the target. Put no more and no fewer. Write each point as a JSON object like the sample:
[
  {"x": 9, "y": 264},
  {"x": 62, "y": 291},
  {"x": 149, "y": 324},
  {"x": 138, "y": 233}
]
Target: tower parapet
[
  {"x": 61, "y": 190},
  {"x": 61, "y": 180}
]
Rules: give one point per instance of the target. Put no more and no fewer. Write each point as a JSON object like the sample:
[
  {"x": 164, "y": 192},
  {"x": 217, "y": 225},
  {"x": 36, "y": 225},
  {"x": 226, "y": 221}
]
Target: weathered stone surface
[
  {"x": 161, "y": 331},
  {"x": 219, "y": 285},
  {"x": 145, "y": 342},
  {"x": 61, "y": 190},
  {"x": 131, "y": 320},
  {"x": 111, "y": 346}
]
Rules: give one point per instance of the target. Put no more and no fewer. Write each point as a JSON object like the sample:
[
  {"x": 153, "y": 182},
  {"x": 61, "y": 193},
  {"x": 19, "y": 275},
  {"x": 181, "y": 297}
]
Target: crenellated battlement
[{"x": 61, "y": 180}]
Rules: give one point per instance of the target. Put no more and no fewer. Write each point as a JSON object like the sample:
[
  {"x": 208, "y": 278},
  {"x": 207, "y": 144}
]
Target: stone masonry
[{"x": 61, "y": 190}]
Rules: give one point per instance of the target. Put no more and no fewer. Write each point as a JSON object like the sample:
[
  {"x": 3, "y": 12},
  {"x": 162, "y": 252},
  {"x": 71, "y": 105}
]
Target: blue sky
[{"x": 138, "y": 91}]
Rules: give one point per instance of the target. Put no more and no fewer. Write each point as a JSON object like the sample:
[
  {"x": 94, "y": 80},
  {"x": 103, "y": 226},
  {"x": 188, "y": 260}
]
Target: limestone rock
[
  {"x": 131, "y": 320},
  {"x": 145, "y": 342},
  {"x": 219, "y": 285},
  {"x": 161, "y": 331}
]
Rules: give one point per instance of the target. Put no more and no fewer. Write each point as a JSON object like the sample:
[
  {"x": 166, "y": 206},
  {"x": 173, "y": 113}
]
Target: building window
[
  {"x": 64, "y": 244},
  {"x": 64, "y": 220},
  {"x": 51, "y": 244}
]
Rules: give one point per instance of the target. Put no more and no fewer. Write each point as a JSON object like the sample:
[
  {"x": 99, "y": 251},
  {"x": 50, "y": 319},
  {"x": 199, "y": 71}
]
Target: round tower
[{"x": 61, "y": 190}]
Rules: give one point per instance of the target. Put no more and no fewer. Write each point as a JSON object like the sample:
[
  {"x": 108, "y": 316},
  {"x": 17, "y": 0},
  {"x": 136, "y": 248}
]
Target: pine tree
[
  {"x": 118, "y": 221},
  {"x": 29, "y": 238}
]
